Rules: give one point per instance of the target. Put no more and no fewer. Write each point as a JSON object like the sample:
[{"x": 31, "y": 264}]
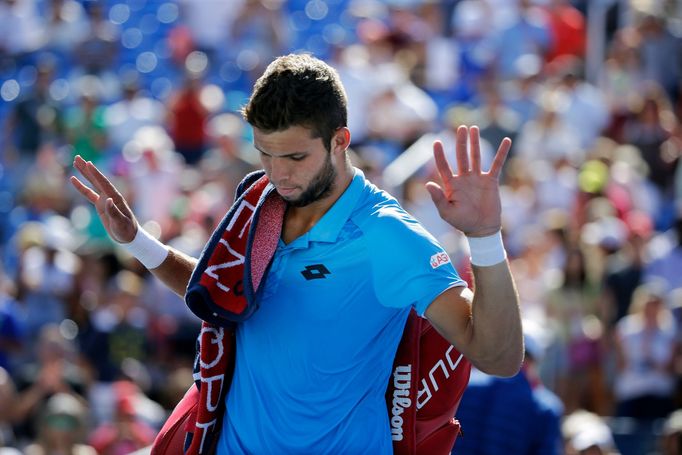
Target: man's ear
[{"x": 341, "y": 140}]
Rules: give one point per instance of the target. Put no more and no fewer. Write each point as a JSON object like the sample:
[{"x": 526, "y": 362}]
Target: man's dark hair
[{"x": 298, "y": 90}]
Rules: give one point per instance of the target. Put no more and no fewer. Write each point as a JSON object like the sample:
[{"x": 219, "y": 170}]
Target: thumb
[{"x": 436, "y": 192}]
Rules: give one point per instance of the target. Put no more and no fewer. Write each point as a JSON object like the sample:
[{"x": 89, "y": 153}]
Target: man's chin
[
  {"x": 292, "y": 200},
  {"x": 297, "y": 202}
]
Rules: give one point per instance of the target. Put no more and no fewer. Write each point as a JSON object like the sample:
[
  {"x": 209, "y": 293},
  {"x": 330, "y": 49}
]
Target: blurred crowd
[{"x": 94, "y": 352}]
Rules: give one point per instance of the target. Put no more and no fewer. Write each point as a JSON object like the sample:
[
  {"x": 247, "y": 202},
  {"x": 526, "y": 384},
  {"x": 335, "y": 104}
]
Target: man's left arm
[{"x": 485, "y": 325}]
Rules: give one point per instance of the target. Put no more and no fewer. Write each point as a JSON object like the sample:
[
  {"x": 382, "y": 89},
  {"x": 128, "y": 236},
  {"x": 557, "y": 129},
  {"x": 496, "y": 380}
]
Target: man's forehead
[{"x": 291, "y": 140}]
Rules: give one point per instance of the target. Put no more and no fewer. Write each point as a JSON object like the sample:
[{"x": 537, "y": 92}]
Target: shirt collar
[{"x": 327, "y": 229}]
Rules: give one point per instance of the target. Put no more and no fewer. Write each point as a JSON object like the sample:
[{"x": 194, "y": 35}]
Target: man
[{"x": 314, "y": 360}]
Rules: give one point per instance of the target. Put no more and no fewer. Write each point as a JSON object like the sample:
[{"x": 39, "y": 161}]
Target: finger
[
  {"x": 114, "y": 212},
  {"x": 84, "y": 190},
  {"x": 82, "y": 166},
  {"x": 461, "y": 151},
  {"x": 78, "y": 162},
  {"x": 443, "y": 166},
  {"x": 102, "y": 183},
  {"x": 500, "y": 157},
  {"x": 475, "y": 149}
]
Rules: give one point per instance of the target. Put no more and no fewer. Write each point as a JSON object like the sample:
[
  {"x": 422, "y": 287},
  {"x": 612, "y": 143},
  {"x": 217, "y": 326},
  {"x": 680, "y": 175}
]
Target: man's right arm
[
  {"x": 175, "y": 271},
  {"x": 169, "y": 265}
]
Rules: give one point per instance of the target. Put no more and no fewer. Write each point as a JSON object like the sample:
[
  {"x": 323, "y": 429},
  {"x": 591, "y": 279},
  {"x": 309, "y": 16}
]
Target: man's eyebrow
[{"x": 287, "y": 155}]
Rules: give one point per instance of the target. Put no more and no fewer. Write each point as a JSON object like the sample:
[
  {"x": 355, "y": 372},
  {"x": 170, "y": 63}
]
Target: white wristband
[
  {"x": 488, "y": 250},
  {"x": 146, "y": 249}
]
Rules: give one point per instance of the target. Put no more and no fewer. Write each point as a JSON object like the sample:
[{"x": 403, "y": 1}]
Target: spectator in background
[
  {"x": 154, "y": 177},
  {"x": 22, "y": 28},
  {"x": 625, "y": 270},
  {"x": 34, "y": 121},
  {"x": 98, "y": 266},
  {"x": 353, "y": 63},
  {"x": 519, "y": 200},
  {"x": 209, "y": 23},
  {"x": 620, "y": 81},
  {"x": 259, "y": 34},
  {"x": 116, "y": 332},
  {"x": 85, "y": 126},
  {"x": 135, "y": 110},
  {"x": 96, "y": 52},
  {"x": 400, "y": 113},
  {"x": 225, "y": 161},
  {"x": 586, "y": 433},
  {"x": 54, "y": 371},
  {"x": 648, "y": 128},
  {"x": 529, "y": 33},
  {"x": 187, "y": 117},
  {"x": 567, "y": 27},
  {"x": 62, "y": 428},
  {"x": 661, "y": 53},
  {"x": 66, "y": 26},
  {"x": 549, "y": 137},
  {"x": 630, "y": 191},
  {"x": 556, "y": 186},
  {"x": 473, "y": 30},
  {"x": 496, "y": 120},
  {"x": 666, "y": 265},
  {"x": 127, "y": 432},
  {"x": 645, "y": 343},
  {"x": 523, "y": 93},
  {"x": 581, "y": 104},
  {"x": 45, "y": 276},
  {"x": 512, "y": 416},
  {"x": 573, "y": 306},
  {"x": 534, "y": 272},
  {"x": 438, "y": 54},
  {"x": 389, "y": 84}
]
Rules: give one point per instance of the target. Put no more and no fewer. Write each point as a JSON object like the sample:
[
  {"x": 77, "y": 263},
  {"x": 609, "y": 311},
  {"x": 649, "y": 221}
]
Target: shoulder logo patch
[{"x": 439, "y": 259}]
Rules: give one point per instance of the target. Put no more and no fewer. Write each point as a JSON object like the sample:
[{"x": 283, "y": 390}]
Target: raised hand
[
  {"x": 470, "y": 200},
  {"x": 112, "y": 208}
]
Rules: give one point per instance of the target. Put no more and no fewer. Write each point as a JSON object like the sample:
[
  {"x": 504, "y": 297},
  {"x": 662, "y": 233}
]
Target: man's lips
[{"x": 285, "y": 191}]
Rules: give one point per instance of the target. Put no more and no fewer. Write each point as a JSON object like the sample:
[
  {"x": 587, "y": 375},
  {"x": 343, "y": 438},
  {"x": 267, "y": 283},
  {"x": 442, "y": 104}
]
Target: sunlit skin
[
  {"x": 319, "y": 187},
  {"x": 306, "y": 174}
]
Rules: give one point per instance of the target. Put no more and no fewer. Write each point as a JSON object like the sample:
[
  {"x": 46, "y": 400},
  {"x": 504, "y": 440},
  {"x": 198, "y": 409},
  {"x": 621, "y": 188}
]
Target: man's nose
[{"x": 279, "y": 170}]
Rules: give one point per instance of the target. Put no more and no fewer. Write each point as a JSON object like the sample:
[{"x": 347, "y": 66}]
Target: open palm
[
  {"x": 112, "y": 208},
  {"x": 469, "y": 200}
]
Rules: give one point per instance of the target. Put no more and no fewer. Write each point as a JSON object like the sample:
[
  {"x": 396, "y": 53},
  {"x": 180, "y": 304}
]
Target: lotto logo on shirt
[{"x": 439, "y": 259}]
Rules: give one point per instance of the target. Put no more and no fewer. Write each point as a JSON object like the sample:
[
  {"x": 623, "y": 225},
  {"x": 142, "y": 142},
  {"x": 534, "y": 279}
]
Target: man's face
[{"x": 298, "y": 165}]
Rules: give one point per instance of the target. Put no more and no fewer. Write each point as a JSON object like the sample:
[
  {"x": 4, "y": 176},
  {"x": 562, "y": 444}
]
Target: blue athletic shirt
[{"x": 313, "y": 362}]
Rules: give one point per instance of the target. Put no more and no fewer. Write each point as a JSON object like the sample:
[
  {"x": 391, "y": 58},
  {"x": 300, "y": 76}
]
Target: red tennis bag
[
  {"x": 428, "y": 379},
  {"x": 424, "y": 391}
]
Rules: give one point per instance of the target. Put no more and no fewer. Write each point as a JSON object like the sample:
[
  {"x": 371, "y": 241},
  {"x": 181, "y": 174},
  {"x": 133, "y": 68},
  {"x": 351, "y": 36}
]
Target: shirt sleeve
[{"x": 409, "y": 267}]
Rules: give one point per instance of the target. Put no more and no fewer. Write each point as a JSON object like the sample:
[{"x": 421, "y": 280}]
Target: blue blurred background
[{"x": 94, "y": 352}]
